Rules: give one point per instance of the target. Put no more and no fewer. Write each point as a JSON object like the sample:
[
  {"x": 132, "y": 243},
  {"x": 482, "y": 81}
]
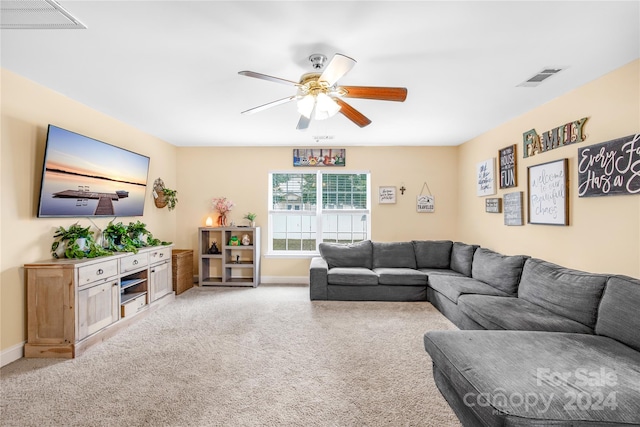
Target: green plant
[
  {"x": 70, "y": 239},
  {"x": 118, "y": 239},
  {"x": 250, "y": 216},
  {"x": 141, "y": 237},
  {"x": 171, "y": 197}
]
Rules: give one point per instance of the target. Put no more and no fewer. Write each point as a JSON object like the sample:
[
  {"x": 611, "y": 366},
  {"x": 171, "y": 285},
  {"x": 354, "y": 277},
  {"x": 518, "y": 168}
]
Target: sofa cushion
[
  {"x": 432, "y": 253},
  {"x": 570, "y": 293},
  {"x": 454, "y": 286},
  {"x": 393, "y": 255},
  {"x": 518, "y": 378},
  {"x": 504, "y": 313},
  {"x": 462, "y": 257},
  {"x": 500, "y": 271},
  {"x": 445, "y": 271},
  {"x": 618, "y": 316},
  {"x": 351, "y": 276},
  {"x": 358, "y": 254},
  {"x": 400, "y": 276}
]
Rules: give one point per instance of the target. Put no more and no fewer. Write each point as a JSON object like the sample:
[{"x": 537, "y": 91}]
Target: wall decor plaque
[{"x": 548, "y": 198}]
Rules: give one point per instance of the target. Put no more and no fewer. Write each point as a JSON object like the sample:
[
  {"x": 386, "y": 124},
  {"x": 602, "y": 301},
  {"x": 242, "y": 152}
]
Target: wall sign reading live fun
[
  {"x": 610, "y": 168},
  {"x": 569, "y": 133}
]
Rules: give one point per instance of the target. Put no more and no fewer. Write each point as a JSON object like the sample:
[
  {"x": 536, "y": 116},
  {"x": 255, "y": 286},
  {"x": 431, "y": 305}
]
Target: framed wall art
[
  {"x": 386, "y": 195},
  {"x": 486, "y": 178},
  {"x": 548, "y": 199},
  {"x": 512, "y": 204},
  {"x": 507, "y": 159},
  {"x": 318, "y": 157}
]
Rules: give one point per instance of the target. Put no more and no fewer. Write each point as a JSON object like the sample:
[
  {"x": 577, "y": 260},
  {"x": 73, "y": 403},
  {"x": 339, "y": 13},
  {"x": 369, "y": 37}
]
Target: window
[{"x": 311, "y": 207}]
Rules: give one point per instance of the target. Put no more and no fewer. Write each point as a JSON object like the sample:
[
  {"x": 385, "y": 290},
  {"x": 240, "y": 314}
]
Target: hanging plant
[{"x": 164, "y": 196}]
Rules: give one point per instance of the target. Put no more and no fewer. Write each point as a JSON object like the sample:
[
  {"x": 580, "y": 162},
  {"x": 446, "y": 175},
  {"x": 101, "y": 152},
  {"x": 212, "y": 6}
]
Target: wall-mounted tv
[{"x": 84, "y": 177}]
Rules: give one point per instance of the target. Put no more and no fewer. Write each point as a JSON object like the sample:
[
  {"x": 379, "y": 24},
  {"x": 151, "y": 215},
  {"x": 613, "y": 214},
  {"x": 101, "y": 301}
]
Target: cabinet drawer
[
  {"x": 159, "y": 255},
  {"x": 134, "y": 305},
  {"x": 95, "y": 273},
  {"x": 133, "y": 262}
]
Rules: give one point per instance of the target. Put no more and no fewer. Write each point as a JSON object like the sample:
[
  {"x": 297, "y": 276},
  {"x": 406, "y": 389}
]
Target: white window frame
[{"x": 318, "y": 212}]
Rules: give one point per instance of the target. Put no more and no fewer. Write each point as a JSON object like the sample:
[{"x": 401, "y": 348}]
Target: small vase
[
  {"x": 222, "y": 220},
  {"x": 253, "y": 224}
]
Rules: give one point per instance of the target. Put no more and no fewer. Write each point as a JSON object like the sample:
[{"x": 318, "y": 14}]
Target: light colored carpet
[{"x": 243, "y": 357}]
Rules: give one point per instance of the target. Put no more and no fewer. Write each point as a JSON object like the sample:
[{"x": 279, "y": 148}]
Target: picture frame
[
  {"x": 319, "y": 157},
  {"x": 513, "y": 211},
  {"x": 425, "y": 203},
  {"x": 548, "y": 188},
  {"x": 386, "y": 195},
  {"x": 507, "y": 160},
  {"x": 486, "y": 178},
  {"x": 493, "y": 205}
]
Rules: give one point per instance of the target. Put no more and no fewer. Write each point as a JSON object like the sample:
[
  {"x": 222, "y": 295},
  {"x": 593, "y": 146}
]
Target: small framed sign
[
  {"x": 548, "y": 200},
  {"x": 425, "y": 203},
  {"x": 513, "y": 208},
  {"x": 493, "y": 205},
  {"x": 486, "y": 178},
  {"x": 386, "y": 195}
]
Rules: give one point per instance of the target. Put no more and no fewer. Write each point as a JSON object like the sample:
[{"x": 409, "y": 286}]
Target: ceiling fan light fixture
[{"x": 320, "y": 106}]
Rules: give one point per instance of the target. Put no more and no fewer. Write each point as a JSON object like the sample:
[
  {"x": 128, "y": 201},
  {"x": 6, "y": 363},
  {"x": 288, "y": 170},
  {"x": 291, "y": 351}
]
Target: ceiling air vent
[
  {"x": 36, "y": 14},
  {"x": 540, "y": 77}
]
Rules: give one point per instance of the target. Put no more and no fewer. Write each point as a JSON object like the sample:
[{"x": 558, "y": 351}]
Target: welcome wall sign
[{"x": 569, "y": 133}]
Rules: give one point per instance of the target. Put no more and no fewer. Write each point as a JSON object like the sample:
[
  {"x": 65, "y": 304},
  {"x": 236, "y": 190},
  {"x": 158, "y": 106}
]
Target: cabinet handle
[
  {"x": 135, "y": 262},
  {"x": 99, "y": 272},
  {"x": 161, "y": 255}
]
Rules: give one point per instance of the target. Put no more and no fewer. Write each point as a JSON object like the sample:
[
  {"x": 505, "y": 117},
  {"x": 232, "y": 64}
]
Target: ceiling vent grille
[
  {"x": 36, "y": 14},
  {"x": 540, "y": 77}
]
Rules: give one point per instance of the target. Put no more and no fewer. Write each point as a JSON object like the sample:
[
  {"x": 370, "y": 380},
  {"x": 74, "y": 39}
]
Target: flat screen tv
[{"x": 84, "y": 177}]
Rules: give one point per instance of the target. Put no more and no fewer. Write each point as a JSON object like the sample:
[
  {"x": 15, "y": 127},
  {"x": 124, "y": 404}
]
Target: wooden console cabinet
[{"x": 75, "y": 303}]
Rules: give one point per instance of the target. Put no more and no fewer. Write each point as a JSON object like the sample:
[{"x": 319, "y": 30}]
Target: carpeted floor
[{"x": 242, "y": 357}]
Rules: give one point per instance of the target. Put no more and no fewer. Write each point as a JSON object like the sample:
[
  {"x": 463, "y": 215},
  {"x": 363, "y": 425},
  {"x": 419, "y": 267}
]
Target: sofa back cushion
[
  {"x": 500, "y": 271},
  {"x": 358, "y": 254},
  {"x": 570, "y": 293},
  {"x": 393, "y": 255},
  {"x": 432, "y": 253},
  {"x": 462, "y": 257},
  {"x": 618, "y": 314}
]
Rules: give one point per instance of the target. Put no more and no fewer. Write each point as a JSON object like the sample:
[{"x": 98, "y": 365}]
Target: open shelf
[
  {"x": 222, "y": 269},
  {"x": 127, "y": 283},
  {"x": 124, "y": 298}
]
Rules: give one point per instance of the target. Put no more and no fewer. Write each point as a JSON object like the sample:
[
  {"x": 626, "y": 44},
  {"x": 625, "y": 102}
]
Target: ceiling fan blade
[
  {"x": 269, "y": 105},
  {"x": 352, "y": 114},
  {"x": 381, "y": 93},
  {"x": 269, "y": 78},
  {"x": 303, "y": 123},
  {"x": 337, "y": 67}
]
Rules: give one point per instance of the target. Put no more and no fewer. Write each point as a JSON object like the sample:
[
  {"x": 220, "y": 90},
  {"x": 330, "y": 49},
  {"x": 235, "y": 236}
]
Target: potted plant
[
  {"x": 252, "y": 218},
  {"x": 164, "y": 196},
  {"x": 142, "y": 237},
  {"x": 76, "y": 242},
  {"x": 117, "y": 238},
  {"x": 170, "y": 197}
]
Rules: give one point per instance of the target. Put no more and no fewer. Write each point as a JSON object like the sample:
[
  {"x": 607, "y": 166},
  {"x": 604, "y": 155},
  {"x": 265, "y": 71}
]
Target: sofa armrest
[{"x": 318, "y": 270}]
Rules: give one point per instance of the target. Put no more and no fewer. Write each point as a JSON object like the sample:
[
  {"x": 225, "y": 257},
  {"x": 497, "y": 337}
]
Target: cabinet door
[
  {"x": 97, "y": 308},
  {"x": 160, "y": 281}
]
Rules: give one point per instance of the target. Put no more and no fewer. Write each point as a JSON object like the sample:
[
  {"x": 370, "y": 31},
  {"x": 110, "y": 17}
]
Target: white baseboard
[
  {"x": 12, "y": 354},
  {"x": 286, "y": 280}
]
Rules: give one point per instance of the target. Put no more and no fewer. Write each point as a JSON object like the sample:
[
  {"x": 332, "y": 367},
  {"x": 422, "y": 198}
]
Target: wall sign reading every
[
  {"x": 569, "y": 133},
  {"x": 610, "y": 168}
]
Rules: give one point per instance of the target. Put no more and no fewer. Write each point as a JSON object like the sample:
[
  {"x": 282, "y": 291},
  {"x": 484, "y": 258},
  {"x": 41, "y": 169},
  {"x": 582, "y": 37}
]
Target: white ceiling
[{"x": 170, "y": 68}]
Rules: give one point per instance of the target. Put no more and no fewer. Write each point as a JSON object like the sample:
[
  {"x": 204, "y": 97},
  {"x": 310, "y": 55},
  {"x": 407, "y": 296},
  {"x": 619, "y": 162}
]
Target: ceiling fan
[{"x": 319, "y": 97}]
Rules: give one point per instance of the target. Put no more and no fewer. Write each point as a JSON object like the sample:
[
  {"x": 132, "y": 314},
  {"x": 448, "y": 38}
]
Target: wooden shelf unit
[
  {"x": 234, "y": 265},
  {"x": 73, "y": 304}
]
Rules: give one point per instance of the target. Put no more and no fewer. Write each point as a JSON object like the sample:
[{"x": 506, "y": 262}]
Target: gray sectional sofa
[{"x": 540, "y": 345}]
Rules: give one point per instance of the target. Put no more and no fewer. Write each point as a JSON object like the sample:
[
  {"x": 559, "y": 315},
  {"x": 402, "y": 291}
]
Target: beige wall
[
  {"x": 199, "y": 174},
  {"x": 604, "y": 232},
  {"x": 27, "y": 109},
  {"x": 241, "y": 174}
]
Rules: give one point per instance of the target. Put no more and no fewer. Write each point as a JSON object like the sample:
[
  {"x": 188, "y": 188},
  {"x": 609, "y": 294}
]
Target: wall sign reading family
[
  {"x": 548, "y": 201},
  {"x": 569, "y": 133},
  {"x": 610, "y": 168}
]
